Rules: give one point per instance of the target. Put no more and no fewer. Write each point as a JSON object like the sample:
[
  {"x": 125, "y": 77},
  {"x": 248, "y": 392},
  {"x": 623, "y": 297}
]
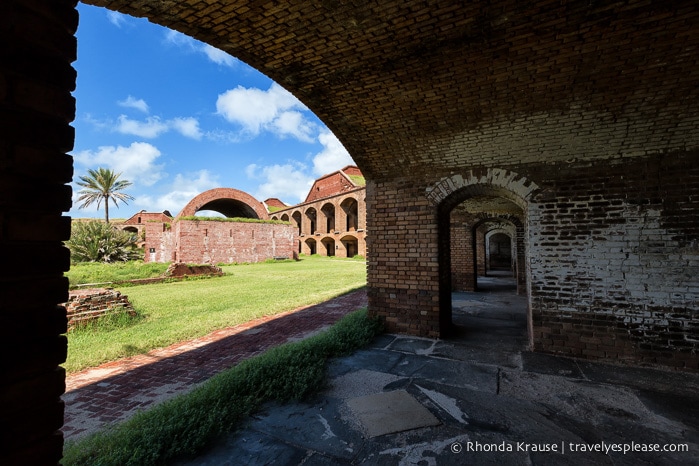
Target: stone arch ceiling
[{"x": 415, "y": 85}]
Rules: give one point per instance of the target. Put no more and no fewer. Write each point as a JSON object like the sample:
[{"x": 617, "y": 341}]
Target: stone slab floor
[{"x": 479, "y": 398}]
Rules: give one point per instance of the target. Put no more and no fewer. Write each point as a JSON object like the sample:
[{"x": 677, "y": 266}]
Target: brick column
[
  {"x": 36, "y": 108},
  {"x": 521, "y": 258},
  {"x": 481, "y": 256},
  {"x": 463, "y": 277},
  {"x": 403, "y": 268}
]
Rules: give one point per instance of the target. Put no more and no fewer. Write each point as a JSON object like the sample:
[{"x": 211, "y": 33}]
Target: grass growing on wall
[
  {"x": 188, "y": 423},
  {"x": 232, "y": 220},
  {"x": 173, "y": 312}
]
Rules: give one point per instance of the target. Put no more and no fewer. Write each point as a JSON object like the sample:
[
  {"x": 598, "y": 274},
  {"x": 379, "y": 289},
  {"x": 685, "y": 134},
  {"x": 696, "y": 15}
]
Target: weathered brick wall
[
  {"x": 329, "y": 185},
  {"x": 215, "y": 242},
  {"x": 160, "y": 243},
  {"x": 463, "y": 277},
  {"x": 36, "y": 108},
  {"x": 86, "y": 305},
  {"x": 615, "y": 261},
  {"x": 613, "y": 256}
]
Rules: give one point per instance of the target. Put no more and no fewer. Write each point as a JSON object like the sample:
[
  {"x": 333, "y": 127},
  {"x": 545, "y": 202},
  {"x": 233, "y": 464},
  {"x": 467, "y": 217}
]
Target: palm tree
[{"x": 102, "y": 185}]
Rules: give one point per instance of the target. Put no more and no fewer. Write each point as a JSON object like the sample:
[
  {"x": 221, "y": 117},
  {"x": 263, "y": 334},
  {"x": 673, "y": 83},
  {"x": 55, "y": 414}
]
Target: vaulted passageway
[
  {"x": 483, "y": 299},
  {"x": 590, "y": 110}
]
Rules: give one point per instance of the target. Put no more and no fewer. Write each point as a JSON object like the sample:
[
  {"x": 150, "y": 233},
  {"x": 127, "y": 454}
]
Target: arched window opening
[
  {"x": 350, "y": 246},
  {"x": 328, "y": 211},
  {"x": 329, "y": 245},
  {"x": 311, "y": 217},
  {"x": 350, "y": 209},
  {"x": 311, "y": 246},
  {"x": 296, "y": 216},
  {"x": 499, "y": 251}
]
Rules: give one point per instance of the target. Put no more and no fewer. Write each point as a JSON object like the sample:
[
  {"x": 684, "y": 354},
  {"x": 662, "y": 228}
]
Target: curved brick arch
[
  {"x": 511, "y": 185},
  {"x": 228, "y": 201}
]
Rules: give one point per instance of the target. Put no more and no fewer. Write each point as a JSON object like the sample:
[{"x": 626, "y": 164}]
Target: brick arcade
[
  {"x": 571, "y": 126},
  {"x": 330, "y": 222}
]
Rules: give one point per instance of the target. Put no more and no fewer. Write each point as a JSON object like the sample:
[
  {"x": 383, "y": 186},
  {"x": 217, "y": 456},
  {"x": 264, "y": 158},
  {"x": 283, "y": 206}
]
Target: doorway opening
[{"x": 483, "y": 279}]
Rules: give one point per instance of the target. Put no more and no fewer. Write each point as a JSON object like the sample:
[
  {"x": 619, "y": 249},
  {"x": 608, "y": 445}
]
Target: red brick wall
[
  {"x": 213, "y": 242},
  {"x": 462, "y": 265}
]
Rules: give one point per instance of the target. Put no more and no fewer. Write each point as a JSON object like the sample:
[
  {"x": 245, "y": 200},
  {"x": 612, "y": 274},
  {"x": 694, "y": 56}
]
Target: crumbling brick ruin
[
  {"x": 84, "y": 306},
  {"x": 580, "y": 118}
]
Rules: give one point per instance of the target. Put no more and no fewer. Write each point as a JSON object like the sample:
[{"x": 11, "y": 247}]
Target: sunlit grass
[{"x": 177, "y": 311}]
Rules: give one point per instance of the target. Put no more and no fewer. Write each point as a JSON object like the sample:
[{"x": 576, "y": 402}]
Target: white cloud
[
  {"x": 274, "y": 110},
  {"x": 188, "y": 127},
  {"x": 287, "y": 181},
  {"x": 189, "y": 44},
  {"x": 180, "y": 40},
  {"x": 180, "y": 192},
  {"x": 116, "y": 18},
  {"x": 333, "y": 157},
  {"x": 294, "y": 124},
  {"x": 153, "y": 127},
  {"x": 217, "y": 56},
  {"x": 131, "y": 102},
  {"x": 136, "y": 163}
]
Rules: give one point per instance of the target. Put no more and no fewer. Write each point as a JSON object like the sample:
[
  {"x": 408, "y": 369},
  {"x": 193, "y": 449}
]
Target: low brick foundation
[{"x": 86, "y": 305}]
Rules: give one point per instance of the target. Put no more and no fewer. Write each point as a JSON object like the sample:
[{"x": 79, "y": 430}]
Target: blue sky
[{"x": 177, "y": 117}]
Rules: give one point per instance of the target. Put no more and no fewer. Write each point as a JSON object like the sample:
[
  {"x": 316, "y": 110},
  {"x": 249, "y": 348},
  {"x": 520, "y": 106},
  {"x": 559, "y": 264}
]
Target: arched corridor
[{"x": 589, "y": 111}]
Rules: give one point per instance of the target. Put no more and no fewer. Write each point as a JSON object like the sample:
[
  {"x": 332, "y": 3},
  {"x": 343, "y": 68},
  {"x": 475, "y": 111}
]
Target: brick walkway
[{"x": 114, "y": 391}]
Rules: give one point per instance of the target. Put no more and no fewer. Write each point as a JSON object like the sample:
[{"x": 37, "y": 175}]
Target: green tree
[
  {"x": 102, "y": 185},
  {"x": 96, "y": 241}
]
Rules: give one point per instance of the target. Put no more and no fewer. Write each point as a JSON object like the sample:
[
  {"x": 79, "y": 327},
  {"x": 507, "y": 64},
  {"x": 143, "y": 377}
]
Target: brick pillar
[
  {"x": 462, "y": 266},
  {"x": 403, "y": 282},
  {"x": 520, "y": 261},
  {"x": 36, "y": 108},
  {"x": 481, "y": 256}
]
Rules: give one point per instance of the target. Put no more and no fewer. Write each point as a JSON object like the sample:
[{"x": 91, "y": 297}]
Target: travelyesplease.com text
[{"x": 568, "y": 447}]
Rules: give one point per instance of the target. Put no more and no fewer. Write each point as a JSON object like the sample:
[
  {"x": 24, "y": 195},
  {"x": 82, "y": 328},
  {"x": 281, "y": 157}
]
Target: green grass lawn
[
  {"x": 99, "y": 272},
  {"x": 177, "y": 311}
]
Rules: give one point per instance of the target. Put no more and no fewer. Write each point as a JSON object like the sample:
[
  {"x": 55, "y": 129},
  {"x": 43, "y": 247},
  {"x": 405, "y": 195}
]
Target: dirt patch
[{"x": 185, "y": 270}]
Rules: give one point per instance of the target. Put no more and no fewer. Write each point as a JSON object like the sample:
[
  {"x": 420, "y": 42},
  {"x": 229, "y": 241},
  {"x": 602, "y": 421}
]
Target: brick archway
[
  {"x": 485, "y": 186},
  {"x": 514, "y": 186},
  {"x": 596, "y": 101},
  {"x": 227, "y": 201}
]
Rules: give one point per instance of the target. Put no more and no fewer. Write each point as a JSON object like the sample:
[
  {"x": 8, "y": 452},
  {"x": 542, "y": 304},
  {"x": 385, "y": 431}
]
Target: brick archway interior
[
  {"x": 588, "y": 111},
  {"x": 463, "y": 218}
]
